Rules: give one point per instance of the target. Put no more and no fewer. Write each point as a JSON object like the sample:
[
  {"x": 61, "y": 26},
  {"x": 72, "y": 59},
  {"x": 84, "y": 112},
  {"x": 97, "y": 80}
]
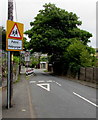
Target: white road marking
[
  {"x": 58, "y": 83},
  {"x": 85, "y": 99},
  {"x": 32, "y": 81},
  {"x": 49, "y": 81},
  {"x": 23, "y": 110},
  {"x": 41, "y": 81},
  {"x": 47, "y": 86}
]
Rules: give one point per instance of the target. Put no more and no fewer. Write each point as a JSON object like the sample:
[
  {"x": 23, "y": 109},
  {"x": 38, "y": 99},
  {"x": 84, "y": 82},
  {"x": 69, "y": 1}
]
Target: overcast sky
[{"x": 28, "y": 9}]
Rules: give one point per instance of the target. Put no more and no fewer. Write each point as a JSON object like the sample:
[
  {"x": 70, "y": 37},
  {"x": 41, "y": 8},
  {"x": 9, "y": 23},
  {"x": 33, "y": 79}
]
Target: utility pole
[{"x": 10, "y": 62}]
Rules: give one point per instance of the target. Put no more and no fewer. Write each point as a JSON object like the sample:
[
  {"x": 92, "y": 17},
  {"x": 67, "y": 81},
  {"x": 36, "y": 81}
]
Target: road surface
[{"x": 55, "y": 97}]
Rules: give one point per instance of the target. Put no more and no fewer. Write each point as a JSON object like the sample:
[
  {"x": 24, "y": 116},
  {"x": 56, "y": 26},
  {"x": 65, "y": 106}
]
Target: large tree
[
  {"x": 53, "y": 30},
  {"x": 25, "y": 43}
]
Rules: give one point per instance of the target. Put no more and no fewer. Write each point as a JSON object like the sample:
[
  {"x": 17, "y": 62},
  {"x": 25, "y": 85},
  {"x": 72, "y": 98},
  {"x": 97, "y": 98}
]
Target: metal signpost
[
  {"x": 14, "y": 38},
  {"x": 10, "y": 17}
]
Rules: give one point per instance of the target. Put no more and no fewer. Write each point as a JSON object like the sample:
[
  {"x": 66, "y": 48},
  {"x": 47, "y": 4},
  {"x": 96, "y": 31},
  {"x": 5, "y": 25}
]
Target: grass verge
[{"x": 45, "y": 70}]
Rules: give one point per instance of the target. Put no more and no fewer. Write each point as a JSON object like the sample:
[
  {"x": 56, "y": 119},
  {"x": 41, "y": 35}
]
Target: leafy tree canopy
[
  {"x": 54, "y": 29},
  {"x": 77, "y": 55},
  {"x": 25, "y": 43}
]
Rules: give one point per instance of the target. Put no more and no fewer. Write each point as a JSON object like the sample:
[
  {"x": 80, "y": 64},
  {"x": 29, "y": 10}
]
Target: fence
[{"x": 89, "y": 74}]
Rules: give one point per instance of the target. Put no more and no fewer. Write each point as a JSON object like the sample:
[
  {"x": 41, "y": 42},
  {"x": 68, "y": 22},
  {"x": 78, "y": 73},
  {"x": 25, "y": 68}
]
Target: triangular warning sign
[
  {"x": 45, "y": 86},
  {"x": 15, "y": 33}
]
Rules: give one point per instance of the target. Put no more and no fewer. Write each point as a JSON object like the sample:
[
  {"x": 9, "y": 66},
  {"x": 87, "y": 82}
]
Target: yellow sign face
[{"x": 14, "y": 36}]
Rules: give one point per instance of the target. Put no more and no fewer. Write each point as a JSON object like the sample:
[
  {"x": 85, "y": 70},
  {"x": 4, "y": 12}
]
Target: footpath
[{"x": 21, "y": 102}]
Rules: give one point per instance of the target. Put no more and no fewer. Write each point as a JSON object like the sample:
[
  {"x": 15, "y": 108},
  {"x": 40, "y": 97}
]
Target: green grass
[{"x": 45, "y": 70}]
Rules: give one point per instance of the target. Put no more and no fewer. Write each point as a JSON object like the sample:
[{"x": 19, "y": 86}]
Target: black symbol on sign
[{"x": 15, "y": 32}]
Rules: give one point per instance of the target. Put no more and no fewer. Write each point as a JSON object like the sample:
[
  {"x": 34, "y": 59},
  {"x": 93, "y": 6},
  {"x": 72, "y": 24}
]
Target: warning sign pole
[{"x": 10, "y": 62}]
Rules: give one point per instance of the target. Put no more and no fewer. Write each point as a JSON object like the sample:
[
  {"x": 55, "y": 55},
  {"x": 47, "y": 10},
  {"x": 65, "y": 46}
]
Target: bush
[{"x": 16, "y": 59}]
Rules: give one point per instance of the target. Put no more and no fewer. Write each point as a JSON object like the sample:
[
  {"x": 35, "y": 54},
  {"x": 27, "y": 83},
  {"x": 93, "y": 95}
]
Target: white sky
[{"x": 28, "y": 9}]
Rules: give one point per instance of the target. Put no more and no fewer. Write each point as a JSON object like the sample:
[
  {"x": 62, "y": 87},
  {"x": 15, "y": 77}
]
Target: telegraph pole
[{"x": 10, "y": 62}]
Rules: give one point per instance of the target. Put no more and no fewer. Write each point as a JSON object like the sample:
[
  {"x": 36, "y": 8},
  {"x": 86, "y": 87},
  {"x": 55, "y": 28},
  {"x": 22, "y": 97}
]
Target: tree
[
  {"x": 78, "y": 56},
  {"x": 34, "y": 61},
  {"x": 25, "y": 43},
  {"x": 53, "y": 30},
  {"x": 44, "y": 58}
]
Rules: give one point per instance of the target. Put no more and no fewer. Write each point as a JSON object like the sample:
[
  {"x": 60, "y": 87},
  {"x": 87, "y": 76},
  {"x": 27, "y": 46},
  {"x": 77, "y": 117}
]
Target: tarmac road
[{"x": 54, "y": 97}]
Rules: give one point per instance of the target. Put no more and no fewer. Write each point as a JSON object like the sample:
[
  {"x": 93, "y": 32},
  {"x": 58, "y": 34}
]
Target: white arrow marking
[{"x": 43, "y": 86}]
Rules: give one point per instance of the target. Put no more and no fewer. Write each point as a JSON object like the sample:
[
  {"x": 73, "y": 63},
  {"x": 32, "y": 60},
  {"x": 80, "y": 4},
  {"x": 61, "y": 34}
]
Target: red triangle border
[{"x": 18, "y": 31}]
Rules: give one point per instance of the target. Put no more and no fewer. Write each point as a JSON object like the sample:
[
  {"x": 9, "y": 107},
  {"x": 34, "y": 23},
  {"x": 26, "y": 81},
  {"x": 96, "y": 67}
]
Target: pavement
[{"x": 21, "y": 101}]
